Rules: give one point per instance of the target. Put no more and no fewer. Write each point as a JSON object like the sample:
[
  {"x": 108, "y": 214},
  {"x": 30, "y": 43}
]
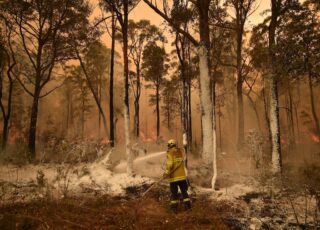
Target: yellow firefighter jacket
[{"x": 175, "y": 165}]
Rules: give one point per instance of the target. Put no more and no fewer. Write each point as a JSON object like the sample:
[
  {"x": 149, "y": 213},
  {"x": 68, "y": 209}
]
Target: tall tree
[
  {"x": 139, "y": 34},
  {"x": 80, "y": 99},
  {"x": 171, "y": 101},
  {"x": 206, "y": 93},
  {"x": 155, "y": 68},
  {"x": 7, "y": 64},
  {"x": 182, "y": 16},
  {"x": 298, "y": 45},
  {"x": 242, "y": 10},
  {"x": 44, "y": 29},
  {"x": 121, "y": 10},
  {"x": 111, "y": 79},
  {"x": 96, "y": 62},
  {"x": 278, "y": 8}
]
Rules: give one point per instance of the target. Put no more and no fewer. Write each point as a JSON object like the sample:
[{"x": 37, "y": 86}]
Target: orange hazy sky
[{"x": 142, "y": 11}]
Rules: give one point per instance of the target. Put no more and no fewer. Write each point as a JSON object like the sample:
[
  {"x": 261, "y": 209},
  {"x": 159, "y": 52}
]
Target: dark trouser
[{"x": 183, "y": 185}]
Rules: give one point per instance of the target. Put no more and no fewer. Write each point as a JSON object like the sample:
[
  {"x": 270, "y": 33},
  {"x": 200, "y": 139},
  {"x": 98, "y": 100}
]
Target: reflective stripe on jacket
[{"x": 175, "y": 165}]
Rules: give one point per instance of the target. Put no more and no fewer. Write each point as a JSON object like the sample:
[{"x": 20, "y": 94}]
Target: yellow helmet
[{"x": 171, "y": 143}]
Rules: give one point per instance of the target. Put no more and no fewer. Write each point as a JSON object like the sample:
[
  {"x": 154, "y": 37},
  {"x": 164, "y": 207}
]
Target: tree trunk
[
  {"x": 190, "y": 114},
  {"x": 33, "y": 125},
  {"x": 82, "y": 119},
  {"x": 239, "y": 88},
  {"x": 126, "y": 88},
  {"x": 220, "y": 129},
  {"x": 274, "y": 127},
  {"x": 99, "y": 99},
  {"x": 291, "y": 125},
  {"x": 158, "y": 110},
  {"x": 111, "y": 109},
  {"x": 206, "y": 104},
  {"x": 6, "y": 118},
  {"x": 207, "y": 108},
  {"x": 313, "y": 108},
  {"x": 7, "y": 115},
  {"x": 274, "y": 103},
  {"x": 137, "y": 102}
]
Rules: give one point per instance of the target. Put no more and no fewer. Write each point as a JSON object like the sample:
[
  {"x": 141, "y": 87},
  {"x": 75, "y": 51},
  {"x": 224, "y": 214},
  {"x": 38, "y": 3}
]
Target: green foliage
[
  {"x": 154, "y": 63},
  {"x": 297, "y": 48},
  {"x": 171, "y": 100},
  {"x": 97, "y": 62}
]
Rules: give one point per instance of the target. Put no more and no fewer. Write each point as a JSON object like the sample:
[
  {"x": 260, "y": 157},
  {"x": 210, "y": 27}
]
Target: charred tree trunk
[
  {"x": 111, "y": 109},
  {"x": 33, "y": 125},
  {"x": 180, "y": 44},
  {"x": 190, "y": 113},
  {"x": 239, "y": 87},
  {"x": 158, "y": 110},
  {"x": 6, "y": 114},
  {"x": 82, "y": 119},
  {"x": 137, "y": 102},
  {"x": 292, "y": 130},
  {"x": 99, "y": 99},
  {"x": 6, "y": 121},
  {"x": 274, "y": 103}
]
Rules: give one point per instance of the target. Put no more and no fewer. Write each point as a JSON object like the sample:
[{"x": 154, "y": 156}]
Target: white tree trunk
[
  {"x": 214, "y": 154},
  {"x": 274, "y": 127},
  {"x": 127, "y": 140},
  {"x": 207, "y": 112},
  {"x": 206, "y": 103}
]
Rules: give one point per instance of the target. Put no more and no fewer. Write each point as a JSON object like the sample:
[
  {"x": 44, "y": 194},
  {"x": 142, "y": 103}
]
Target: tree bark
[
  {"x": 239, "y": 87},
  {"x": 111, "y": 109},
  {"x": 292, "y": 130},
  {"x": 137, "y": 102},
  {"x": 33, "y": 125},
  {"x": 126, "y": 88},
  {"x": 6, "y": 120},
  {"x": 206, "y": 99},
  {"x": 6, "y": 115},
  {"x": 274, "y": 103},
  {"x": 190, "y": 114},
  {"x": 158, "y": 111}
]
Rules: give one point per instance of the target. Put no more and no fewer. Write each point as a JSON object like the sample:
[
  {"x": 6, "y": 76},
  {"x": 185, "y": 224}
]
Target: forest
[{"x": 93, "y": 93}]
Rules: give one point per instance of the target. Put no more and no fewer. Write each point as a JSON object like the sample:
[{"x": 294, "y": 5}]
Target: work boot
[
  {"x": 174, "y": 207},
  {"x": 187, "y": 205}
]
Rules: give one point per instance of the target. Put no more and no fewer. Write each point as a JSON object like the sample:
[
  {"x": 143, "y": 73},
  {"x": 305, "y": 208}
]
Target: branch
[
  {"x": 50, "y": 91},
  {"x": 101, "y": 21},
  {"x": 25, "y": 46},
  {"x": 171, "y": 22},
  {"x": 23, "y": 86}
]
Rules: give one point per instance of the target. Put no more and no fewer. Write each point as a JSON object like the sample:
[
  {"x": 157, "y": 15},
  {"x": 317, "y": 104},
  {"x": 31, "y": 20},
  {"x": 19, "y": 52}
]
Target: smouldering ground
[{"x": 108, "y": 213}]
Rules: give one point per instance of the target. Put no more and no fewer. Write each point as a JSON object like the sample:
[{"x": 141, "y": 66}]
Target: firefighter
[{"x": 176, "y": 174}]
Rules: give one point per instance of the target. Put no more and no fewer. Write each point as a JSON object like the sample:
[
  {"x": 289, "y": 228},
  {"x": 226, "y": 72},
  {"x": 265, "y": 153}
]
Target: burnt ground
[{"x": 107, "y": 212}]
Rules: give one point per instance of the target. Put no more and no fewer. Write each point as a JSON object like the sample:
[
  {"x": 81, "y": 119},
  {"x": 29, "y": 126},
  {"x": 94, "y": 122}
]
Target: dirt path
[{"x": 108, "y": 213}]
